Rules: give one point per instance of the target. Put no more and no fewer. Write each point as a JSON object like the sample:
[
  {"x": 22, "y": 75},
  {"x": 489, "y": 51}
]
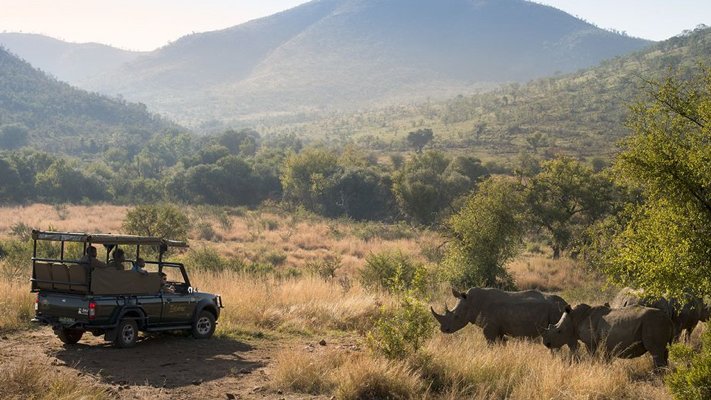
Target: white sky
[{"x": 148, "y": 24}]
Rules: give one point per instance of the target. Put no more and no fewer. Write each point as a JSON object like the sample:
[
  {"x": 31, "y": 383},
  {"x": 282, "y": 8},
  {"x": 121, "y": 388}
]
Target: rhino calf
[
  {"x": 623, "y": 332},
  {"x": 500, "y": 313}
]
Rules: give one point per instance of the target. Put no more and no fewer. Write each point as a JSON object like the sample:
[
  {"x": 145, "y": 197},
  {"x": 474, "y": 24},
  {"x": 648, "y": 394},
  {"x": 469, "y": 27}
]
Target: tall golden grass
[{"x": 20, "y": 381}]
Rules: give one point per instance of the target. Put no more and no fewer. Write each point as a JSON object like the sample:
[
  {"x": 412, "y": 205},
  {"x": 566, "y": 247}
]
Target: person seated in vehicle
[
  {"x": 90, "y": 258},
  {"x": 165, "y": 286},
  {"x": 118, "y": 260},
  {"x": 139, "y": 266}
]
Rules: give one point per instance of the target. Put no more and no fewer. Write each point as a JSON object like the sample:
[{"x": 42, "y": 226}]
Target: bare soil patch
[{"x": 159, "y": 366}]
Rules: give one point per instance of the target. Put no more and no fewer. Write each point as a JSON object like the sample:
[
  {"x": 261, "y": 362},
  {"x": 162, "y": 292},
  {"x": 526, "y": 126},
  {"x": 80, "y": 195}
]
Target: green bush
[
  {"x": 393, "y": 271},
  {"x": 326, "y": 267},
  {"x": 401, "y": 331},
  {"x": 161, "y": 220},
  {"x": 691, "y": 380}
]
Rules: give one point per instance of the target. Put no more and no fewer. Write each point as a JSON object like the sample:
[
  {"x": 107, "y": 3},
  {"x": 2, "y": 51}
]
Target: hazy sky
[{"x": 148, "y": 24}]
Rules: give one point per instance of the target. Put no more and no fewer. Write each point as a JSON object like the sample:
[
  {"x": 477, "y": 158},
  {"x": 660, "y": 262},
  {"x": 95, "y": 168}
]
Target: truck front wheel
[
  {"x": 204, "y": 325},
  {"x": 126, "y": 333},
  {"x": 69, "y": 336}
]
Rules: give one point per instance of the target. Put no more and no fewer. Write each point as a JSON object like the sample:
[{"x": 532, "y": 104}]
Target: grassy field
[{"x": 284, "y": 310}]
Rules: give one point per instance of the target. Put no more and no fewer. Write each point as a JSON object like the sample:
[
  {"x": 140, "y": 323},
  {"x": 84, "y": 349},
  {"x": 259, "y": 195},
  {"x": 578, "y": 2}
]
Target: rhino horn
[{"x": 437, "y": 316}]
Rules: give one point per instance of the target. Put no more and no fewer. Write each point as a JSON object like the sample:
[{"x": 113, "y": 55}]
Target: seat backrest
[
  {"x": 110, "y": 281},
  {"x": 78, "y": 278},
  {"x": 43, "y": 274},
  {"x": 60, "y": 276}
]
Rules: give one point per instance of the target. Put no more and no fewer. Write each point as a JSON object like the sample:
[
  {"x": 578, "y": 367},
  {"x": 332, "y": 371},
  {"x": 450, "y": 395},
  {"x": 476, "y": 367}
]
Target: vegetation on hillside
[{"x": 40, "y": 112}]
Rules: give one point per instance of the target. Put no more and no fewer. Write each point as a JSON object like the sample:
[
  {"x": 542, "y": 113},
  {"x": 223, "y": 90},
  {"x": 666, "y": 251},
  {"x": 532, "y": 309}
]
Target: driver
[{"x": 165, "y": 286}]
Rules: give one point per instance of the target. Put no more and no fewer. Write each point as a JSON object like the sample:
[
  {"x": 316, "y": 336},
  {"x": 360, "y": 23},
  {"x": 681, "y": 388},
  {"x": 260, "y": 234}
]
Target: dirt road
[{"x": 158, "y": 367}]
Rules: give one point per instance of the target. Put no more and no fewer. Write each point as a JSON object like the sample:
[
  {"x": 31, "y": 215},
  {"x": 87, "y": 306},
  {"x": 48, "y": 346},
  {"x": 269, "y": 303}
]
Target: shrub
[
  {"x": 392, "y": 271},
  {"x": 325, "y": 268},
  {"x": 205, "y": 231},
  {"x": 161, "y": 220},
  {"x": 401, "y": 331},
  {"x": 692, "y": 378}
]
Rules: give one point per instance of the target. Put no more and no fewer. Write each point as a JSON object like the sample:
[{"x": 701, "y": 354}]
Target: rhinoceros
[
  {"x": 689, "y": 315},
  {"x": 500, "y": 313},
  {"x": 623, "y": 332},
  {"x": 685, "y": 315}
]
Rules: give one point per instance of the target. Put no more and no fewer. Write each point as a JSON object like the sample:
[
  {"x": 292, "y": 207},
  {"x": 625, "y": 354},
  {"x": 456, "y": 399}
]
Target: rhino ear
[{"x": 459, "y": 295}]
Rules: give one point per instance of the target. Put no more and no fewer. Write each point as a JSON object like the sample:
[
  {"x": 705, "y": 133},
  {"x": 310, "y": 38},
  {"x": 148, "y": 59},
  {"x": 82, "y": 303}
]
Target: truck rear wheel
[
  {"x": 69, "y": 336},
  {"x": 126, "y": 333},
  {"x": 204, "y": 325}
]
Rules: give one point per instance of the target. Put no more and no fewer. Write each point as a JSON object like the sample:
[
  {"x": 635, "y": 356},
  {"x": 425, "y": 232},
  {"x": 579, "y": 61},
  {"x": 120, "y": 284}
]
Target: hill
[
  {"x": 59, "y": 118},
  {"x": 336, "y": 54},
  {"x": 68, "y": 62},
  {"x": 582, "y": 113}
]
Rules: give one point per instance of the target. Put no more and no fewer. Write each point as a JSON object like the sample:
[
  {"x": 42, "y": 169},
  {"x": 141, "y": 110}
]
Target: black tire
[
  {"x": 126, "y": 333},
  {"x": 69, "y": 336},
  {"x": 204, "y": 325}
]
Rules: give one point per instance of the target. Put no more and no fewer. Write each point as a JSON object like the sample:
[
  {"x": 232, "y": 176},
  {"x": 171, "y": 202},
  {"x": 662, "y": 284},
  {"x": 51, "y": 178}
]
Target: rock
[
  {"x": 322, "y": 342},
  {"x": 279, "y": 391},
  {"x": 230, "y": 396}
]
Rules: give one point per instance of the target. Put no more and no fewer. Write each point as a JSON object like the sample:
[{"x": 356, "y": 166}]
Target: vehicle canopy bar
[{"x": 101, "y": 238}]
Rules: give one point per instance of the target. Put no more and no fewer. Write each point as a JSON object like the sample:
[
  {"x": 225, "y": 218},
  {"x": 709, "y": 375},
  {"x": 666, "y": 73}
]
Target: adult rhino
[
  {"x": 623, "y": 332},
  {"x": 685, "y": 315},
  {"x": 500, "y": 313}
]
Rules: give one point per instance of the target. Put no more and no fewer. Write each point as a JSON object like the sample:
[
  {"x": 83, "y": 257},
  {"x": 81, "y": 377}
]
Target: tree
[
  {"x": 160, "y": 220},
  {"x": 422, "y": 189},
  {"x": 420, "y": 138},
  {"x": 665, "y": 245},
  {"x": 306, "y": 177},
  {"x": 565, "y": 197},
  {"x": 13, "y": 136},
  {"x": 485, "y": 234}
]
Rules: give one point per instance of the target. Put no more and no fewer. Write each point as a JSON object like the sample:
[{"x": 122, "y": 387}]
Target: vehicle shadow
[{"x": 160, "y": 360}]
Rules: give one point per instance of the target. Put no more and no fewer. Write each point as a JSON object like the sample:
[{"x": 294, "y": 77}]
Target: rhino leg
[
  {"x": 493, "y": 334},
  {"x": 660, "y": 359}
]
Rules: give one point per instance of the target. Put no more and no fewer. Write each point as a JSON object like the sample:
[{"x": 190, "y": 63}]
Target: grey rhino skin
[
  {"x": 499, "y": 313},
  {"x": 685, "y": 318},
  {"x": 623, "y": 332}
]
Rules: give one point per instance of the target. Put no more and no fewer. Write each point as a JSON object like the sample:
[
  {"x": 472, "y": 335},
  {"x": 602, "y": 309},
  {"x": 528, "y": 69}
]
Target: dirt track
[{"x": 158, "y": 367}]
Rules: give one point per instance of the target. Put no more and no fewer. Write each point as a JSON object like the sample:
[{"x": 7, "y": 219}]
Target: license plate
[{"x": 66, "y": 321}]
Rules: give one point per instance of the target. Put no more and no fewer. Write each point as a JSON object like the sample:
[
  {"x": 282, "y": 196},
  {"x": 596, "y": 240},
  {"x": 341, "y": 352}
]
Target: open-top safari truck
[{"x": 77, "y": 294}]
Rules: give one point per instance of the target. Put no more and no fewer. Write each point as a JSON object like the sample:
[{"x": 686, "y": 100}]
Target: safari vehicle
[{"x": 75, "y": 296}]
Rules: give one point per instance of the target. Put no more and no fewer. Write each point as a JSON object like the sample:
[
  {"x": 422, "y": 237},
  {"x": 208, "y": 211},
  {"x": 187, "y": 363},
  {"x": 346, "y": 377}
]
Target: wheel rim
[
  {"x": 204, "y": 325},
  {"x": 128, "y": 334}
]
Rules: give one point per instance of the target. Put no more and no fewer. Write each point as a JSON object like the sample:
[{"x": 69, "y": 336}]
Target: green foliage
[
  {"x": 401, "y": 330},
  {"x": 160, "y": 220},
  {"x": 393, "y": 271},
  {"x": 565, "y": 197},
  {"x": 664, "y": 245},
  {"x": 485, "y": 234},
  {"x": 691, "y": 379},
  {"x": 325, "y": 267},
  {"x": 13, "y": 136},
  {"x": 429, "y": 183}
]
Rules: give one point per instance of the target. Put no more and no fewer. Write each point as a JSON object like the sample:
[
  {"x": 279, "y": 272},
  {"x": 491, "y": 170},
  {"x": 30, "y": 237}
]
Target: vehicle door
[
  {"x": 153, "y": 307},
  {"x": 178, "y": 302}
]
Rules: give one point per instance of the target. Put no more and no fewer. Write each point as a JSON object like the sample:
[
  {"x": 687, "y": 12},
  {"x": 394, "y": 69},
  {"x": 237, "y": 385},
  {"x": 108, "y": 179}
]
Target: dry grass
[
  {"x": 17, "y": 305},
  {"x": 303, "y": 306},
  {"x": 349, "y": 376},
  {"x": 27, "y": 381},
  {"x": 464, "y": 366}
]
